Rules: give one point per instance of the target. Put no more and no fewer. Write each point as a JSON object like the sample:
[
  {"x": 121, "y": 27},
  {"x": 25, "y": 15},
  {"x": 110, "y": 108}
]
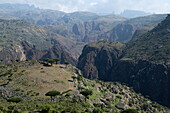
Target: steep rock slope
[
  {"x": 97, "y": 58},
  {"x": 143, "y": 64}
]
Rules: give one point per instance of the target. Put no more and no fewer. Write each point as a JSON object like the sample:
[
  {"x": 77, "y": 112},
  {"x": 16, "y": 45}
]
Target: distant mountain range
[
  {"x": 133, "y": 13},
  {"x": 70, "y": 30}
]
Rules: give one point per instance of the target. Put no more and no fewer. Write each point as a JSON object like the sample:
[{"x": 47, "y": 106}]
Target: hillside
[
  {"x": 20, "y": 40},
  {"x": 152, "y": 46},
  {"x": 125, "y": 31},
  {"x": 31, "y": 80},
  {"x": 71, "y": 30},
  {"x": 143, "y": 63}
]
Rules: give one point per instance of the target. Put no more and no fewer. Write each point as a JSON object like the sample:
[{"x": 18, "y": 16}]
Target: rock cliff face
[
  {"x": 20, "y": 40},
  {"x": 90, "y": 31},
  {"x": 26, "y": 51},
  {"x": 97, "y": 59},
  {"x": 55, "y": 52},
  {"x": 147, "y": 73},
  {"x": 145, "y": 77},
  {"x": 12, "y": 54},
  {"x": 122, "y": 33}
]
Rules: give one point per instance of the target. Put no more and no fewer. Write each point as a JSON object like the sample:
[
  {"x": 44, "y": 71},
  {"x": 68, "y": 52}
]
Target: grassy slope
[
  {"x": 32, "y": 80},
  {"x": 42, "y": 79}
]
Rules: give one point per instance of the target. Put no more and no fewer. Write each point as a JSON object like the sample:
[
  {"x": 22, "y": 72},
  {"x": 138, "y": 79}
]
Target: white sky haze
[{"x": 99, "y": 6}]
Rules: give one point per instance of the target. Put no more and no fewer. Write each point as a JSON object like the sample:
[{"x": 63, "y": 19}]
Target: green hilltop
[{"x": 26, "y": 87}]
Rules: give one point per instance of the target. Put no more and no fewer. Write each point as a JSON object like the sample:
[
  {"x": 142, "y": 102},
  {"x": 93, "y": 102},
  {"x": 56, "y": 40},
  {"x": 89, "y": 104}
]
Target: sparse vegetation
[
  {"x": 86, "y": 93},
  {"x": 35, "y": 87},
  {"x": 51, "y": 61},
  {"x": 130, "y": 111}
]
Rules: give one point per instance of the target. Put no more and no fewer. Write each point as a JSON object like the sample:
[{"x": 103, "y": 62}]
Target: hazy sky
[{"x": 99, "y": 6}]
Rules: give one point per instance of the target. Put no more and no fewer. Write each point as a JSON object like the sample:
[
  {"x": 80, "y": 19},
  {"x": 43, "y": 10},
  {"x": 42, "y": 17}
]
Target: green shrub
[
  {"x": 52, "y": 93},
  {"x": 15, "y": 99},
  {"x": 2, "y": 109},
  {"x": 86, "y": 92},
  {"x": 97, "y": 110},
  {"x": 119, "y": 97},
  {"x": 46, "y": 108},
  {"x": 66, "y": 91}
]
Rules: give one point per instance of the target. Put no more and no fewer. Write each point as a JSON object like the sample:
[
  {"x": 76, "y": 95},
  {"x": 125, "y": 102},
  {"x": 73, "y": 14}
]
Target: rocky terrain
[
  {"x": 143, "y": 63},
  {"x": 98, "y": 57},
  {"x": 139, "y": 58},
  {"x": 23, "y": 86},
  {"x": 45, "y": 30},
  {"x": 20, "y": 40}
]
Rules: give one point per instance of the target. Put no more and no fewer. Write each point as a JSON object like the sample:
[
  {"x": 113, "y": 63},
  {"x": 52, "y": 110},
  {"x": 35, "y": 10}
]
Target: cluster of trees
[{"x": 52, "y": 61}]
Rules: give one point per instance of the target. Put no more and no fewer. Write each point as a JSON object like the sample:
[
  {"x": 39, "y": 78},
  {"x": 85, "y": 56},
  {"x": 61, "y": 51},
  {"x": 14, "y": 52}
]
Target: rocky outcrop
[
  {"x": 75, "y": 29},
  {"x": 97, "y": 59},
  {"x": 121, "y": 33},
  {"x": 12, "y": 54}
]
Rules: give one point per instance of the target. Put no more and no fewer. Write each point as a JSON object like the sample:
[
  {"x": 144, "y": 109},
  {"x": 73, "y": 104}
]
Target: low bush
[{"x": 15, "y": 99}]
